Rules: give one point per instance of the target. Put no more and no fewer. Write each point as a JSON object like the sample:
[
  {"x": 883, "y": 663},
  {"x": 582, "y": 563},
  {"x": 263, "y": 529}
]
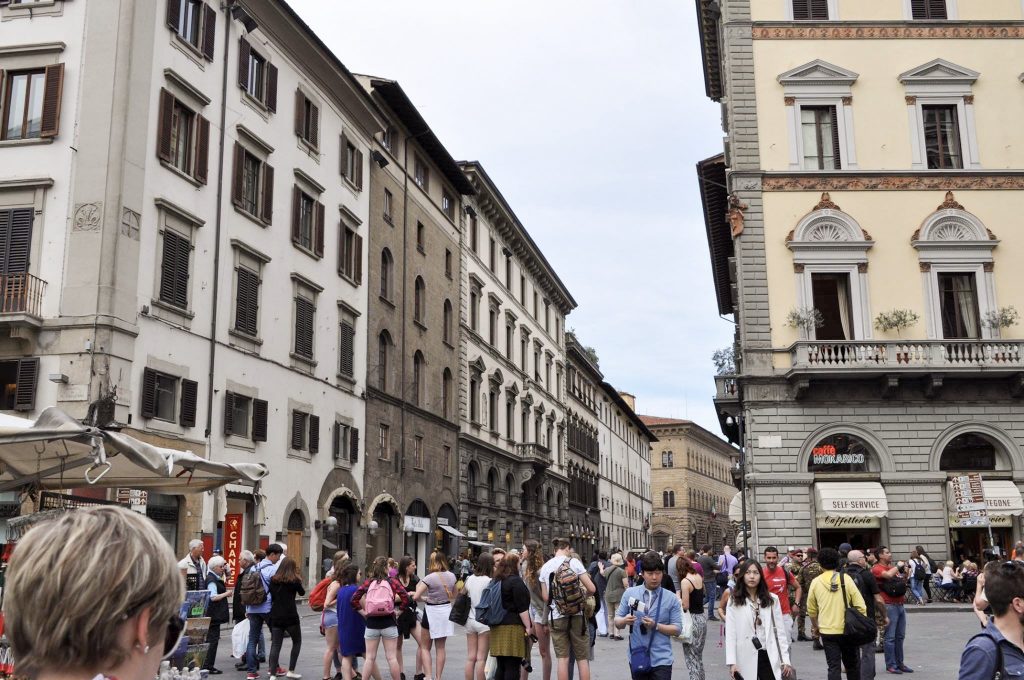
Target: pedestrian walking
[
  {"x": 565, "y": 584},
  {"x": 436, "y": 590},
  {"x": 932, "y": 569},
  {"x": 779, "y": 581},
  {"x": 617, "y": 584},
  {"x": 257, "y": 613},
  {"x": 478, "y": 636},
  {"x": 377, "y": 600},
  {"x": 347, "y": 632},
  {"x": 217, "y": 610},
  {"x": 671, "y": 570},
  {"x": 892, "y": 581},
  {"x": 866, "y": 582},
  {"x": 808, "y": 572},
  {"x": 830, "y": 594},
  {"x": 710, "y": 567},
  {"x": 529, "y": 569},
  {"x": 247, "y": 561},
  {"x": 655, "y": 616},
  {"x": 691, "y": 599},
  {"x": 755, "y": 642},
  {"x": 917, "y": 568},
  {"x": 596, "y": 570},
  {"x": 730, "y": 586},
  {"x": 997, "y": 650},
  {"x": 193, "y": 567},
  {"x": 726, "y": 563},
  {"x": 408, "y": 619},
  {"x": 285, "y": 586},
  {"x": 508, "y": 639}
]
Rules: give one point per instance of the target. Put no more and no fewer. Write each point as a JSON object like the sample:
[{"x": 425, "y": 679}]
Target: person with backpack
[
  {"x": 375, "y": 600},
  {"x": 285, "y": 586},
  {"x": 831, "y": 593},
  {"x": 478, "y": 635},
  {"x": 505, "y": 607},
  {"x": 932, "y": 569},
  {"x": 857, "y": 567},
  {"x": 436, "y": 590},
  {"x": 997, "y": 650},
  {"x": 565, "y": 586},
  {"x": 892, "y": 581},
  {"x": 255, "y": 587},
  {"x": 917, "y": 567}
]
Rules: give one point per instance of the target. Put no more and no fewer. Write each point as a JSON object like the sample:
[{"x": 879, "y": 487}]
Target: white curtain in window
[
  {"x": 843, "y": 293},
  {"x": 963, "y": 289}
]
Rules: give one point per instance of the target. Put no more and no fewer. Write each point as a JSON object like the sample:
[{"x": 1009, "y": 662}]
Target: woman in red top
[{"x": 381, "y": 627}]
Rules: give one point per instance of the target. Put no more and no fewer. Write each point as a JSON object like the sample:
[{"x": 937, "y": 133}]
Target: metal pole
[{"x": 743, "y": 481}]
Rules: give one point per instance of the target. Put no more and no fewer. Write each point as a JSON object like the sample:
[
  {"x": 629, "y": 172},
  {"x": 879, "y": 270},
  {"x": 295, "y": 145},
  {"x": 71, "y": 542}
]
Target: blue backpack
[{"x": 490, "y": 611}]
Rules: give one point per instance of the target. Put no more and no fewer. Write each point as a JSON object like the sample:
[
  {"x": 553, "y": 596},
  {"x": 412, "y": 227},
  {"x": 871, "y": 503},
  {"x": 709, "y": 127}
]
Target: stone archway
[
  {"x": 1008, "y": 454},
  {"x": 883, "y": 459}
]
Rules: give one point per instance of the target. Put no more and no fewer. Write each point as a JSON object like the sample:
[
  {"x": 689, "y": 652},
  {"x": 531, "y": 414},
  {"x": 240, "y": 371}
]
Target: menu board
[{"x": 969, "y": 500}]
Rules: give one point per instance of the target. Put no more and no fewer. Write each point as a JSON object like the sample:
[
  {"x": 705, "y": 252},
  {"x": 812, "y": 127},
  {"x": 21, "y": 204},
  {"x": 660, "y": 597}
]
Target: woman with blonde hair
[
  {"x": 533, "y": 562},
  {"x": 437, "y": 590},
  {"x": 72, "y": 611}
]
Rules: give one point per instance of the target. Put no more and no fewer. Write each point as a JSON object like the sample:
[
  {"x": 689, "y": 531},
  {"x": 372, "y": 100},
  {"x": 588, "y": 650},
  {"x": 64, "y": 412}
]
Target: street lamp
[{"x": 737, "y": 422}]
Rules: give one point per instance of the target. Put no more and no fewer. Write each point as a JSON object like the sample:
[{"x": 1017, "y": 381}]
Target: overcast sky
[{"x": 590, "y": 116}]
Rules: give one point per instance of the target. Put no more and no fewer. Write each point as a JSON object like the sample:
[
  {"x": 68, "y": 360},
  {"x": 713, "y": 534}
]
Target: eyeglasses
[{"x": 175, "y": 630}]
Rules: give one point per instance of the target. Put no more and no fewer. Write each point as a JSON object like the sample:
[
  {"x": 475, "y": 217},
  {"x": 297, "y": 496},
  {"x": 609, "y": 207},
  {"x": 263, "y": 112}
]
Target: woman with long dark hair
[
  {"x": 285, "y": 585},
  {"x": 508, "y": 639},
  {"x": 691, "y": 597},
  {"x": 408, "y": 625},
  {"x": 529, "y": 569},
  {"x": 350, "y": 631},
  {"x": 756, "y": 644},
  {"x": 478, "y": 636}
]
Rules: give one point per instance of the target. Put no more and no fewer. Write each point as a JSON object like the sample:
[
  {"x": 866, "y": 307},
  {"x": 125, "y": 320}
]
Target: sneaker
[
  {"x": 280, "y": 671},
  {"x": 293, "y": 675},
  {"x": 894, "y": 670},
  {"x": 817, "y": 644},
  {"x": 906, "y": 669},
  {"x": 252, "y": 676}
]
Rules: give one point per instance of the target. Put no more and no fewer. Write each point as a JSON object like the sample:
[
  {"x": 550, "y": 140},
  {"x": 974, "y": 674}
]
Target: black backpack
[
  {"x": 893, "y": 587},
  {"x": 920, "y": 573}
]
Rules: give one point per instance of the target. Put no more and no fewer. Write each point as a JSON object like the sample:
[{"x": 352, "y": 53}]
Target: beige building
[
  {"x": 692, "y": 485},
  {"x": 863, "y": 231}
]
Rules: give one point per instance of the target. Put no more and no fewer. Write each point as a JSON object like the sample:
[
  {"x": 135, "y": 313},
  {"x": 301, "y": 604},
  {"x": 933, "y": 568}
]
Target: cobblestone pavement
[{"x": 934, "y": 642}]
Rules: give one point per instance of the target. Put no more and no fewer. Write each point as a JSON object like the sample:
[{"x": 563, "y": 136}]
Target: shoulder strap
[
  {"x": 775, "y": 633},
  {"x": 1000, "y": 670},
  {"x": 842, "y": 583}
]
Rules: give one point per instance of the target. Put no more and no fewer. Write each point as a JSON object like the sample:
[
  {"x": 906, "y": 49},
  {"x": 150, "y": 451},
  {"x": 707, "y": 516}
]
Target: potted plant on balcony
[
  {"x": 998, "y": 319},
  {"x": 806, "y": 319},
  {"x": 725, "y": 360},
  {"x": 897, "y": 320}
]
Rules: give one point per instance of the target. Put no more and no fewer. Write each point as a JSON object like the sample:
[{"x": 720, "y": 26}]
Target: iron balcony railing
[{"x": 21, "y": 293}]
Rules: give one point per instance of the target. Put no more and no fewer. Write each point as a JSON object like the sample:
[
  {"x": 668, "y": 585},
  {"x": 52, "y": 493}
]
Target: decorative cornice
[
  {"x": 910, "y": 100},
  {"x": 888, "y": 182},
  {"x": 789, "y": 101},
  {"x": 969, "y": 99},
  {"x": 888, "y": 31}
]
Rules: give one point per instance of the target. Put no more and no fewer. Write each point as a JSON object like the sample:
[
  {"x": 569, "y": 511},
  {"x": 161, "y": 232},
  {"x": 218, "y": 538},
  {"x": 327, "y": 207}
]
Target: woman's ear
[{"x": 142, "y": 630}]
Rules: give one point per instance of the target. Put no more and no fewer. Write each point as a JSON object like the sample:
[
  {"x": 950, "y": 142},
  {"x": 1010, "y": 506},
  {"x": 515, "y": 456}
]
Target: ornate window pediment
[
  {"x": 478, "y": 366},
  {"x": 940, "y": 72},
  {"x": 817, "y": 73},
  {"x": 940, "y": 93},
  {"x": 819, "y": 104},
  {"x": 952, "y": 227}
]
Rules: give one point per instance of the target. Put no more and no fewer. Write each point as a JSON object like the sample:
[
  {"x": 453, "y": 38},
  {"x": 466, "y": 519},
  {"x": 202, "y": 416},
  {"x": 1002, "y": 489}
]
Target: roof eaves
[{"x": 714, "y": 199}]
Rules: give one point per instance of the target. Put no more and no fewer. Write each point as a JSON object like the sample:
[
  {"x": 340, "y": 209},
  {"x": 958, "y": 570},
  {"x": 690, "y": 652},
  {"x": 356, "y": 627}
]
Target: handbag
[
  {"x": 640, "y": 657},
  {"x": 775, "y": 632},
  {"x": 460, "y": 609},
  {"x": 686, "y": 630},
  {"x": 856, "y": 627}
]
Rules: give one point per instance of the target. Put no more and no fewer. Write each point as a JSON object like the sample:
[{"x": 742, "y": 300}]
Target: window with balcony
[
  {"x": 831, "y": 297},
  {"x": 958, "y": 305}
]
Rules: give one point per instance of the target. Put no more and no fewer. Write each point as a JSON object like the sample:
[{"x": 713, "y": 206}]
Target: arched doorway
[
  {"x": 417, "y": 534},
  {"x": 382, "y": 539},
  {"x": 447, "y": 534},
  {"x": 846, "y": 510},
  {"x": 661, "y": 541},
  {"x": 337, "y": 534},
  {"x": 296, "y": 530}
]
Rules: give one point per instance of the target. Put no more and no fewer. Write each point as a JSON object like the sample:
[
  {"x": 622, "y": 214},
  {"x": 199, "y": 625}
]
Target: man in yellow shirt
[{"x": 827, "y": 610}]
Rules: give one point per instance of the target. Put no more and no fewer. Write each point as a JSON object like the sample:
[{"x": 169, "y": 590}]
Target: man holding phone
[{"x": 655, "y": 616}]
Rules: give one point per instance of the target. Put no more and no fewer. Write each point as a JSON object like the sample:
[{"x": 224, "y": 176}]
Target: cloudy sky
[{"x": 590, "y": 115}]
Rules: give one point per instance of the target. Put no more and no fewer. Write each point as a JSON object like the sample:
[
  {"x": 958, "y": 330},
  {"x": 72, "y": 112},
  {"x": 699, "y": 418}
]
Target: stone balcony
[{"x": 538, "y": 454}]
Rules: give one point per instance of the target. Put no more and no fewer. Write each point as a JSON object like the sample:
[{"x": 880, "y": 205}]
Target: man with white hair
[{"x": 193, "y": 566}]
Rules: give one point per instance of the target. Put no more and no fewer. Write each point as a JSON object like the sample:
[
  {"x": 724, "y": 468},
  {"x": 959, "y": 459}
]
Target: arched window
[
  {"x": 841, "y": 452},
  {"x": 665, "y": 498},
  {"x": 492, "y": 485},
  {"x": 419, "y": 299},
  {"x": 417, "y": 378},
  {"x": 671, "y": 499},
  {"x": 446, "y": 393},
  {"x": 383, "y": 349},
  {"x": 447, "y": 322},
  {"x": 968, "y": 452},
  {"x": 387, "y": 266},
  {"x": 471, "y": 479}
]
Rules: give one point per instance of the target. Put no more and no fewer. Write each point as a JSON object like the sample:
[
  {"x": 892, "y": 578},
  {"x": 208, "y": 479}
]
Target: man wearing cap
[{"x": 810, "y": 571}]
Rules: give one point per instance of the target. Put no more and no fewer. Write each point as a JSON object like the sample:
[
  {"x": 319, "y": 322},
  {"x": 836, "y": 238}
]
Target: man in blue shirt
[
  {"x": 1004, "y": 590},
  {"x": 258, "y": 613},
  {"x": 651, "y": 611}
]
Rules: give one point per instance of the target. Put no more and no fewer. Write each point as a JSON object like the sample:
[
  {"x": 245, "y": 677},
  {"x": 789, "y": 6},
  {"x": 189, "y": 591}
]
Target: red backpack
[{"x": 318, "y": 596}]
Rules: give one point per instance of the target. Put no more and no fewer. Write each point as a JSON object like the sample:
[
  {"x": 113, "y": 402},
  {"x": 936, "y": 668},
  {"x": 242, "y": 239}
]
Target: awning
[
  {"x": 58, "y": 452},
  {"x": 736, "y": 508},
  {"x": 481, "y": 544},
  {"x": 1001, "y": 496},
  {"x": 452, "y": 530},
  {"x": 850, "y": 499}
]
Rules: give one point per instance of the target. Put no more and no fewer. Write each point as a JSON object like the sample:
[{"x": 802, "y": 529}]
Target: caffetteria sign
[{"x": 839, "y": 453}]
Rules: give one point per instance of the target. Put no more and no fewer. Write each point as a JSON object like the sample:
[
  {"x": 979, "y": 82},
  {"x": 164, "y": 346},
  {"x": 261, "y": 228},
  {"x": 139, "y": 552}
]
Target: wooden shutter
[
  {"x": 298, "y": 430},
  {"x": 919, "y": 9},
  {"x": 25, "y": 389},
  {"x": 209, "y": 31},
  {"x": 837, "y": 159},
  {"x": 314, "y": 124},
  {"x": 173, "y": 14},
  {"x": 247, "y": 301},
  {"x": 15, "y": 240},
  {"x": 305, "y": 318},
  {"x": 344, "y": 156},
  {"x": 148, "y": 393},
  {"x": 346, "y": 350},
  {"x": 296, "y": 213},
  {"x": 336, "y": 448},
  {"x": 359, "y": 170},
  {"x": 357, "y": 258},
  {"x": 342, "y": 249},
  {"x": 202, "y": 149},
  {"x": 174, "y": 269},
  {"x": 318, "y": 231},
  {"x": 236, "y": 180},
  {"x": 314, "y": 434},
  {"x": 267, "y": 213},
  {"x": 819, "y": 10},
  {"x": 259, "y": 420},
  {"x": 300, "y": 100},
  {"x": 187, "y": 408},
  {"x": 271, "y": 88},
  {"x": 353, "y": 444},
  {"x": 164, "y": 125},
  {"x": 937, "y": 9},
  {"x": 243, "y": 63},
  {"x": 50, "y": 125},
  {"x": 229, "y": 412}
]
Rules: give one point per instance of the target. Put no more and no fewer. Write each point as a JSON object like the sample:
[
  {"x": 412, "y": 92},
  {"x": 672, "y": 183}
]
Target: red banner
[{"x": 232, "y": 544}]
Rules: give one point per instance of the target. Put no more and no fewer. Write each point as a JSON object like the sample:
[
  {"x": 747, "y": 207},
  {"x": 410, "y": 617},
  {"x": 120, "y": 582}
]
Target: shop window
[
  {"x": 968, "y": 452},
  {"x": 840, "y": 453}
]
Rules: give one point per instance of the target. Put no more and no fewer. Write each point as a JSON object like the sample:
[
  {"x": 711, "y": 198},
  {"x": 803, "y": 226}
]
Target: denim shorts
[
  {"x": 329, "y": 619},
  {"x": 386, "y": 633}
]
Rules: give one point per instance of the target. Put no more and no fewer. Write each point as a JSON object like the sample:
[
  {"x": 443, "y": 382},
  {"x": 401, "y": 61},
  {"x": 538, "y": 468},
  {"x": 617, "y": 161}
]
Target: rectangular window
[
  {"x": 448, "y": 204},
  {"x": 306, "y": 212},
  {"x": 473, "y": 233},
  {"x": 247, "y": 296},
  {"x": 253, "y": 185},
  {"x": 473, "y": 310},
  {"x": 421, "y": 175},
  {"x": 421, "y": 237},
  {"x": 255, "y": 85},
  {"x": 508, "y": 273},
  {"x": 384, "y": 442},
  {"x": 510, "y": 418},
  {"x": 942, "y": 136},
  {"x": 928, "y": 9},
  {"x": 195, "y": 23},
  {"x": 31, "y": 104},
  {"x": 509, "y": 342},
  {"x": 417, "y": 452},
  {"x": 448, "y": 263},
  {"x": 810, "y": 10},
  {"x": 190, "y": 21},
  {"x": 958, "y": 305},
  {"x": 535, "y": 305},
  {"x": 300, "y": 423},
  {"x": 832, "y": 298},
  {"x": 547, "y": 316},
  {"x": 820, "y": 130},
  {"x": 522, "y": 290},
  {"x": 389, "y": 201},
  {"x": 346, "y": 345},
  {"x": 236, "y": 414},
  {"x": 182, "y": 122},
  {"x": 492, "y": 327},
  {"x": 164, "y": 393},
  {"x": 305, "y": 322},
  {"x": 257, "y": 76},
  {"x": 183, "y": 137},
  {"x": 174, "y": 269},
  {"x": 447, "y": 461},
  {"x": 351, "y": 162},
  {"x": 524, "y": 354},
  {"x": 388, "y": 137},
  {"x": 307, "y": 119},
  {"x": 492, "y": 255},
  {"x": 350, "y": 255}
]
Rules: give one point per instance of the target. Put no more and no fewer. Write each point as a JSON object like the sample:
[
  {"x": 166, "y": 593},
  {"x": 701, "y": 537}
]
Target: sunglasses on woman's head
[{"x": 175, "y": 631}]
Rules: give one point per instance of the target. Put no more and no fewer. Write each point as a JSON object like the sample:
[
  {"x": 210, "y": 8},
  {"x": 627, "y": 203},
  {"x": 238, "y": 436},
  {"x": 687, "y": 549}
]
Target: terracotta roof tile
[{"x": 650, "y": 421}]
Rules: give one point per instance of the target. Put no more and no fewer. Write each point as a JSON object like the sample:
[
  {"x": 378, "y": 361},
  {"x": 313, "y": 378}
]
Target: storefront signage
[
  {"x": 969, "y": 504},
  {"x": 232, "y": 544},
  {"x": 827, "y": 455},
  {"x": 851, "y": 505},
  {"x": 834, "y": 522},
  {"x": 994, "y": 521},
  {"x": 839, "y": 453},
  {"x": 420, "y": 525},
  {"x": 135, "y": 499}
]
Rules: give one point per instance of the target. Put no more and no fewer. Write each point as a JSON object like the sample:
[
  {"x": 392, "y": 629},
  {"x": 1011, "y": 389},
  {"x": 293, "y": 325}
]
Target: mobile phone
[{"x": 738, "y": 676}]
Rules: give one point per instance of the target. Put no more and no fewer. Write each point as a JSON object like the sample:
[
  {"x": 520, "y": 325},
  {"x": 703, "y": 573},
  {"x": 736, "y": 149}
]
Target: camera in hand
[{"x": 634, "y": 604}]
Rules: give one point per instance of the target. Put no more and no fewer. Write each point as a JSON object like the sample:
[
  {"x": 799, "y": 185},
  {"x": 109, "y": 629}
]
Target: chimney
[{"x": 629, "y": 399}]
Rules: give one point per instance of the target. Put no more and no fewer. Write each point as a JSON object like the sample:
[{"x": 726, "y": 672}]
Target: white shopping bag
[{"x": 240, "y": 639}]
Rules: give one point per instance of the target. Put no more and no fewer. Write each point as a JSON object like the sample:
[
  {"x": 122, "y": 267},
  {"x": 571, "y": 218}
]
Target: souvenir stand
[{"x": 57, "y": 452}]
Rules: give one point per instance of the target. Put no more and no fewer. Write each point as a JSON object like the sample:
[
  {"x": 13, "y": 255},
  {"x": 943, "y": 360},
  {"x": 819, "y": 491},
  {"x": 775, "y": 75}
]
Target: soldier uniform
[{"x": 810, "y": 571}]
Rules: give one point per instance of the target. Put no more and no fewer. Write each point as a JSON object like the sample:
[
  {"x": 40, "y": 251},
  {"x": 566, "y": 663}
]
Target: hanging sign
[
  {"x": 969, "y": 504},
  {"x": 232, "y": 544}
]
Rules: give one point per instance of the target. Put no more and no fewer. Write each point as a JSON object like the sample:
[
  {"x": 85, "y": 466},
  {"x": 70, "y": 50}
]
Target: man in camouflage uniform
[
  {"x": 794, "y": 563},
  {"x": 810, "y": 571}
]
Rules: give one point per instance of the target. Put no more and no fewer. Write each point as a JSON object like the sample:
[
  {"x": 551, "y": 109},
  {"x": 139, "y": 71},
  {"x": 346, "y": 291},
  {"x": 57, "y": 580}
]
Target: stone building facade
[
  {"x": 692, "y": 485},
  {"x": 625, "y": 483},
  {"x": 583, "y": 442},
  {"x": 861, "y": 227}
]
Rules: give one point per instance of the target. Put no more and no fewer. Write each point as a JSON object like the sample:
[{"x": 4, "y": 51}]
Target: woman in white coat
[{"x": 753, "y": 614}]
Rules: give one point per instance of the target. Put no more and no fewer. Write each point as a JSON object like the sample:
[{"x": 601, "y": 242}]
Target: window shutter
[
  {"x": 819, "y": 10},
  {"x": 298, "y": 425},
  {"x": 247, "y": 301},
  {"x": 919, "y": 9},
  {"x": 359, "y": 170},
  {"x": 801, "y": 9},
  {"x": 271, "y": 88},
  {"x": 346, "y": 350},
  {"x": 344, "y": 156},
  {"x": 229, "y": 412},
  {"x": 243, "y": 63},
  {"x": 202, "y": 148},
  {"x": 314, "y": 125},
  {"x": 259, "y": 420},
  {"x": 354, "y": 444},
  {"x": 300, "y": 100},
  {"x": 15, "y": 240},
  {"x": 174, "y": 269},
  {"x": 268, "y": 194},
  {"x": 148, "y": 393},
  {"x": 236, "y": 181},
  {"x": 837, "y": 158},
  {"x": 296, "y": 212},
  {"x": 314, "y": 434},
  {"x": 166, "y": 122},
  {"x": 357, "y": 266},
  {"x": 25, "y": 390},
  {"x": 937, "y": 9},
  {"x": 209, "y": 32},
  {"x": 336, "y": 441},
  {"x": 173, "y": 13},
  {"x": 318, "y": 236},
  {"x": 342, "y": 248},
  {"x": 305, "y": 317},
  {"x": 189, "y": 396}
]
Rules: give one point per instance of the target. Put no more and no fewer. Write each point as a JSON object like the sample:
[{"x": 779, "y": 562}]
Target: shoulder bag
[
  {"x": 686, "y": 631},
  {"x": 775, "y": 632},
  {"x": 856, "y": 627},
  {"x": 640, "y": 657}
]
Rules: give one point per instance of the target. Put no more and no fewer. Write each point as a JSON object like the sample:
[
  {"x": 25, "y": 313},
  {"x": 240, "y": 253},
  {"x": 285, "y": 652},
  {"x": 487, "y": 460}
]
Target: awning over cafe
[
  {"x": 736, "y": 508},
  {"x": 850, "y": 499},
  {"x": 1001, "y": 496},
  {"x": 451, "y": 530}
]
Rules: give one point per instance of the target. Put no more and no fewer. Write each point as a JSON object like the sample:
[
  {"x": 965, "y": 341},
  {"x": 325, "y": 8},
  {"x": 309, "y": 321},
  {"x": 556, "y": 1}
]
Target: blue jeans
[
  {"x": 710, "y": 598},
  {"x": 894, "y": 634},
  {"x": 256, "y": 622},
  {"x": 917, "y": 587}
]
